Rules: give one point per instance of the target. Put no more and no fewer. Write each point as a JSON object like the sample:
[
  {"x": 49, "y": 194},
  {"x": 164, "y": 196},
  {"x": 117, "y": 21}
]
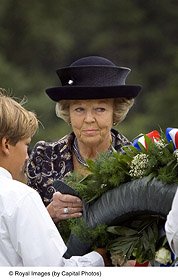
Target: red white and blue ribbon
[
  {"x": 154, "y": 135},
  {"x": 172, "y": 135}
]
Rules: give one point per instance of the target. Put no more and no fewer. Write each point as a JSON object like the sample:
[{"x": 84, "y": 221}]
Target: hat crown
[
  {"x": 93, "y": 71},
  {"x": 92, "y": 61}
]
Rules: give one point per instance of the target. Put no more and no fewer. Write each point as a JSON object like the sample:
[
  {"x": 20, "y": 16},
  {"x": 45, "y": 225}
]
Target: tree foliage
[{"x": 38, "y": 37}]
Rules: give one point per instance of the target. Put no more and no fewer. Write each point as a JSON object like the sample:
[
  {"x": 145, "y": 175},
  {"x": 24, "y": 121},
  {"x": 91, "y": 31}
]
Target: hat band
[{"x": 93, "y": 76}]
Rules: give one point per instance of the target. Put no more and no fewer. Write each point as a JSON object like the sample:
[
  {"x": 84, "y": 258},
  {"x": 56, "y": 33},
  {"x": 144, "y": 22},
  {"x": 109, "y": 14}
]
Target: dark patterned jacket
[{"x": 51, "y": 161}]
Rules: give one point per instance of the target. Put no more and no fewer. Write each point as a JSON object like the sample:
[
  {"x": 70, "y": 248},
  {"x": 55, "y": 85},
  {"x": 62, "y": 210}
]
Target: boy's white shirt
[
  {"x": 171, "y": 225},
  {"x": 28, "y": 236}
]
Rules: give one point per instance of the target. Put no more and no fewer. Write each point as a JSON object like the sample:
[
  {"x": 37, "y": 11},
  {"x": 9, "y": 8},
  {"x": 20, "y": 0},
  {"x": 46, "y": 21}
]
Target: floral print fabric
[{"x": 50, "y": 161}]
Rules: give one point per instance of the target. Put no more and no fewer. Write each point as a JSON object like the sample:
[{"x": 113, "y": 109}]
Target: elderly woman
[{"x": 92, "y": 99}]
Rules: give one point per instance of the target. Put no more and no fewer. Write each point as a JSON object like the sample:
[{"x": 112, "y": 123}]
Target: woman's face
[{"x": 92, "y": 120}]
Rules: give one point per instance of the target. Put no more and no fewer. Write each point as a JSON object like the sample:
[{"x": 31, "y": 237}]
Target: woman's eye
[
  {"x": 100, "y": 109},
  {"x": 79, "y": 109}
]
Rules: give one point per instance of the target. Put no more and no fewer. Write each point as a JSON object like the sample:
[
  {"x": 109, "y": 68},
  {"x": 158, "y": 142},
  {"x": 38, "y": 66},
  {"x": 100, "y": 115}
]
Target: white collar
[{"x": 5, "y": 173}]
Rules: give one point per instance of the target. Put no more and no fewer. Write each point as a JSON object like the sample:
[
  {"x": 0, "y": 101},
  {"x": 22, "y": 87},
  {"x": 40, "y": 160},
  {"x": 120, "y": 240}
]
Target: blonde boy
[{"x": 28, "y": 236}]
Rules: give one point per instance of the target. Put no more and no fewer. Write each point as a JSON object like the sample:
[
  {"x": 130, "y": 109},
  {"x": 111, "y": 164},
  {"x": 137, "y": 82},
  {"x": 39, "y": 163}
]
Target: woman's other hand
[{"x": 64, "y": 206}]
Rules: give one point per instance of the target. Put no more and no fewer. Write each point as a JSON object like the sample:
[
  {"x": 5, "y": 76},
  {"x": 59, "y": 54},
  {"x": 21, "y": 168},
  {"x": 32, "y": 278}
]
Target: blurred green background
[{"x": 38, "y": 37}]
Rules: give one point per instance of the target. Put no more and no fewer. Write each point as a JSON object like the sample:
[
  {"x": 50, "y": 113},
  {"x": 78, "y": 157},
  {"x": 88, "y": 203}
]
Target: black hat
[{"x": 92, "y": 77}]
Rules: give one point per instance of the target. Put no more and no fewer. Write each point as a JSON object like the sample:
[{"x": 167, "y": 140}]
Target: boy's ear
[{"x": 5, "y": 145}]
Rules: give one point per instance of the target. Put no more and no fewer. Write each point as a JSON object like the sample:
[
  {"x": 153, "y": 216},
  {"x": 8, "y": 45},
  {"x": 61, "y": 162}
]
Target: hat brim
[{"x": 84, "y": 93}]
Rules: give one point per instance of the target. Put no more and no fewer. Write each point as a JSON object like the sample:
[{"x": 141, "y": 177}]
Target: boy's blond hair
[{"x": 16, "y": 122}]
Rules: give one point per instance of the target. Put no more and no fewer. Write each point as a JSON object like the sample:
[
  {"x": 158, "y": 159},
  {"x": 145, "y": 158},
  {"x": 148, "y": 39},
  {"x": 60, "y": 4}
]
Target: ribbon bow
[
  {"x": 154, "y": 135},
  {"x": 172, "y": 136}
]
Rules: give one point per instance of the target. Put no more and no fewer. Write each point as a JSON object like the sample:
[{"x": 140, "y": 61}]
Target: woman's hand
[{"x": 64, "y": 206}]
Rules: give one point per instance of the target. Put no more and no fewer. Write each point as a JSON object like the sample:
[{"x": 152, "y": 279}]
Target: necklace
[{"x": 78, "y": 155}]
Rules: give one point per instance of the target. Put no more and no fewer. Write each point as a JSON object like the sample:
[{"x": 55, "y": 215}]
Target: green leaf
[{"x": 122, "y": 231}]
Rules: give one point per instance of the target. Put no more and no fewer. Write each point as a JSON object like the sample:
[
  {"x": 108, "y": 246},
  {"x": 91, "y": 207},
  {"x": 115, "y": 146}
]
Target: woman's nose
[{"x": 89, "y": 117}]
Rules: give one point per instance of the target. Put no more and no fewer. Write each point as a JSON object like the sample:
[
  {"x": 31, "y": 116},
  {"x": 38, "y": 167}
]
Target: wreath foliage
[{"x": 152, "y": 155}]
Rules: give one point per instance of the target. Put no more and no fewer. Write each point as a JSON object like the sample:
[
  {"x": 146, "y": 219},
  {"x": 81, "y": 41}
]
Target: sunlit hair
[
  {"x": 121, "y": 108},
  {"x": 16, "y": 123}
]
